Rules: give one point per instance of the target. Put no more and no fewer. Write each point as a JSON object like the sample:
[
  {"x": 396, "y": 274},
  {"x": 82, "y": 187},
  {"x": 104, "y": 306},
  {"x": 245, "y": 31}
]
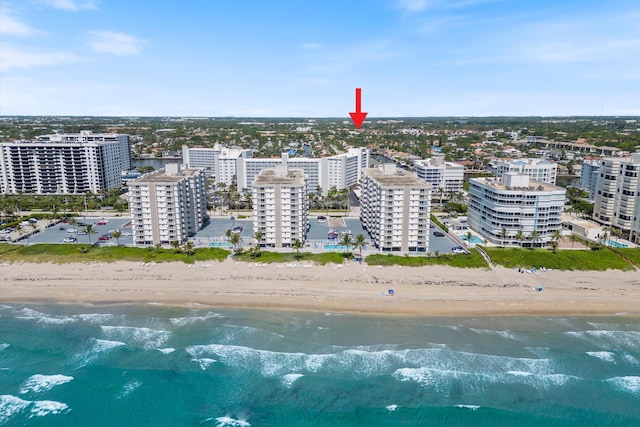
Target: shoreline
[{"x": 351, "y": 288}]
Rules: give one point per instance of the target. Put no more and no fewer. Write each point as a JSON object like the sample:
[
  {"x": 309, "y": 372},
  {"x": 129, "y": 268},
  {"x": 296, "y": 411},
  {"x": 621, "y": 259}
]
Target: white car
[
  {"x": 126, "y": 233},
  {"x": 69, "y": 239},
  {"x": 71, "y": 230}
]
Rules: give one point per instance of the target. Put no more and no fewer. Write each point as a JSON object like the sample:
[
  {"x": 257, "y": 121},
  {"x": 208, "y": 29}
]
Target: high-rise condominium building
[
  {"x": 223, "y": 164},
  {"x": 64, "y": 164},
  {"x": 589, "y": 177},
  {"x": 167, "y": 205},
  {"x": 219, "y": 162},
  {"x": 617, "y": 195},
  {"x": 537, "y": 169},
  {"x": 442, "y": 175},
  {"x": 280, "y": 206},
  {"x": 500, "y": 208},
  {"x": 395, "y": 208}
]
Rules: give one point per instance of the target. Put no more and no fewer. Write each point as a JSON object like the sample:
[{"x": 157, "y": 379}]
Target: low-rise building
[
  {"x": 168, "y": 205},
  {"x": 515, "y": 210},
  {"x": 394, "y": 208}
]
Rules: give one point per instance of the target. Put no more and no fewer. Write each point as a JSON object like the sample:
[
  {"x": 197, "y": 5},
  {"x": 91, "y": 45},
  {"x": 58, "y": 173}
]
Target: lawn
[
  {"x": 562, "y": 260},
  {"x": 472, "y": 260},
  {"x": 270, "y": 257},
  {"x": 57, "y": 253},
  {"x": 632, "y": 254}
]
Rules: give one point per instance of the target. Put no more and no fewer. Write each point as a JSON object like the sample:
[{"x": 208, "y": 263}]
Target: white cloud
[
  {"x": 72, "y": 5},
  {"x": 414, "y": 5},
  {"x": 13, "y": 26},
  {"x": 310, "y": 46},
  {"x": 116, "y": 43},
  {"x": 12, "y": 57}
]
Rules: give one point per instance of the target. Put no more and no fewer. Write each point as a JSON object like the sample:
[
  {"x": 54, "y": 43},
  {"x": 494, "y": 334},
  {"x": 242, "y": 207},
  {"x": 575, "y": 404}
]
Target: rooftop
[
  {"x": 274, "y": 176},
  {"x": 395, "y": 177}
]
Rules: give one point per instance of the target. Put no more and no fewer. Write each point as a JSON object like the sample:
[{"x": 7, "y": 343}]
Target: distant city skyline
[{"x": 412, "y": 58}]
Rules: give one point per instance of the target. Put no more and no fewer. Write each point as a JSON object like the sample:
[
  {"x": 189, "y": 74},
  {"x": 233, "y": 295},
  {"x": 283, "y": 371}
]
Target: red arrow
[{"x": 359, "y": 115}]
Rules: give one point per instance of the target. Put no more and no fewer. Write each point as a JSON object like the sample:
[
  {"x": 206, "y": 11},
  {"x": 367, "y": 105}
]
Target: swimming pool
[
  {"x": 474, "y": 239},
  {"x": 335, "y": 248},
  {"x": 219, "y": 245},
  {"x": 615, "y": 244}
]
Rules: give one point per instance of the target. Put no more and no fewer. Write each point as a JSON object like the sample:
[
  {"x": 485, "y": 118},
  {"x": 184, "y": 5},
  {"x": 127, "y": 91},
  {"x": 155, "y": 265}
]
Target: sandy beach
[{"x": 354, "y": 288}]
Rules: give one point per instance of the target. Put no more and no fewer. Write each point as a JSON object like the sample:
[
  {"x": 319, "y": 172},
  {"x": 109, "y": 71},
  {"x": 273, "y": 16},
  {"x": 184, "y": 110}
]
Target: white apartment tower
[
  {"x": 220, "y": 163},
  {"x": 500, "y": 208},
  {"x": 281, "y": 206},
  {"x": 617, "y": 195},
  {"x": 541, "y": 170},
  {"x": 395, "y": 208},
  {"x": 167, "y": 205},
  {"x": 86, "y": 136},
  {"x": 589, "y": 177},
  {"x": 61, "y": 165},
  {"x": 442, "y": 175}
]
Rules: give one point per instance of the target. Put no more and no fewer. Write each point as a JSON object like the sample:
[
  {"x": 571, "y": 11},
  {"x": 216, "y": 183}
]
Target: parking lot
[
  {"x": 63, "y": 232},
  {"x": 213, "y": 232}
]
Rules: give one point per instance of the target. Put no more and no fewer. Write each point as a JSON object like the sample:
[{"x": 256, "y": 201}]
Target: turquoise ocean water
[{"x": 152, "y": 365}]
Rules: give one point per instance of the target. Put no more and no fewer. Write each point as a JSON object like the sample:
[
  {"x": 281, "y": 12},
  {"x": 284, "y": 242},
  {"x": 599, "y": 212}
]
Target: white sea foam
[
  {"x": 204, "y": 362},
  {"x": 166, "y": 350},
  {"x": 365, "y": 363},
  {"x": 231, "y": 422},
  {"x": 182, "y": 321},
  {"x": 606, "y": 356},
  {"x": 391, "y": 408},
  {"x": 289, "y": 379},
  {"x": 98, "y": 347},
  {"x": 11, "y": 405},
  {"x": 630, "y": 359},
  {"x": 144, "y": 337},
  {"x": 40, "y": 383},
  {"x": 27, "y": 313},
  {"x": 40, "y": 408},
  {"x": 95, "y": 318},
  {"x": 504, "y": 334},
  {"x": 4, "y": 346},
  {"x": 630, "y": 384},
  {"x": 469, "y": 407},
  {"x": 626, "y": 340},
  {"x": 128, "y": 388}
]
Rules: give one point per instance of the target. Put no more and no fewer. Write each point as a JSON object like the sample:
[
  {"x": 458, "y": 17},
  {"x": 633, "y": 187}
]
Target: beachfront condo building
[
  {"x": 617, "y": 195},
  {"x": 540, "y": 170},
  {"x": 223, "y": 164},
  {"x": 515, "y": 210},
  {"x": 394, "y": 208},
  {"x": 589, "y": 177},
  {"x": 168, "y": 205},
  {"x": 445, "y": 177},
  {"x": 280, "y": 206},
  {"x": 64, "y": 164}
]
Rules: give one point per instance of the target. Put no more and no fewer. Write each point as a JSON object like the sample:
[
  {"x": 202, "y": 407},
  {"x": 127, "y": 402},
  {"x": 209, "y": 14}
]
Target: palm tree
[
  {"x": 519, "y": 236},
  {"x": 534, "y": 236},
  {"x": 557, "y": 236},
  {"x": 346, "y": 241},
  {"x": 258, "y": 235},
  {"x": 554, "y": 245},
  {"x": 235, "y": 241},
  {"x": 573, "y": 239},
  {"x": 358, "y": 243},
  {"x": 176, "y": 246},
  {"x": 503, "y": 235},
  {"x": 89, "y": 230},
  {"x": 188, "y": 247},
  {"x": 297, "y": 244},
  {"x": 116, "y": 235},
  {"x": 469, "y": 236}
]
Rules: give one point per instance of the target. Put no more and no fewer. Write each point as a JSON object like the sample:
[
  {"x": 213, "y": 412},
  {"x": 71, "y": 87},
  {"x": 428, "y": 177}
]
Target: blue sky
[{"x": 265, "y": 58}]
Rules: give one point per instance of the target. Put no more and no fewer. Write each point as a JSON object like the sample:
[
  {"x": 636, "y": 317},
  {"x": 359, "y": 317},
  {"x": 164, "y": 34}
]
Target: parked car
[
  {"x": 104, "y": 238},
  {"x": 69, "y": 239},
  {"x": 71, "y": 230},
  {"x": 438, "y": 233},
  {"x": 237, "y": 230},
  {"x": 126, "y": 233},
  {"x": 458, "y": 250},
  {"x": 102, "y": 222}
]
